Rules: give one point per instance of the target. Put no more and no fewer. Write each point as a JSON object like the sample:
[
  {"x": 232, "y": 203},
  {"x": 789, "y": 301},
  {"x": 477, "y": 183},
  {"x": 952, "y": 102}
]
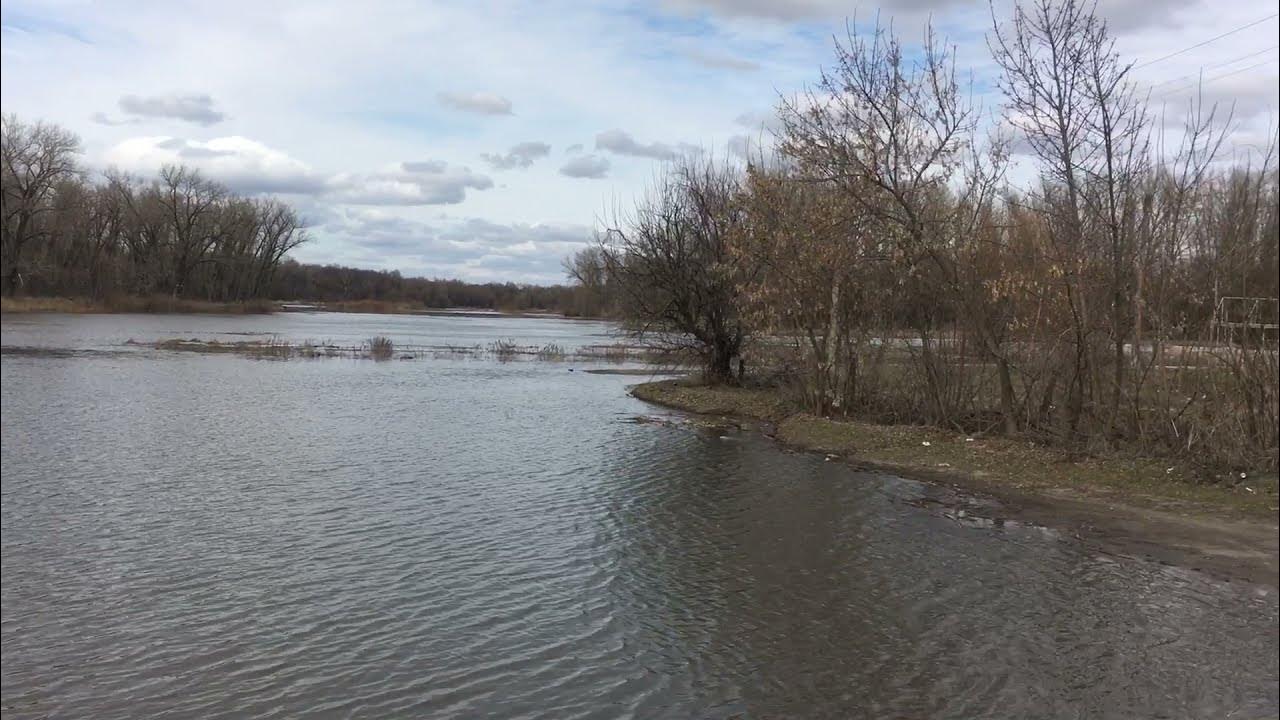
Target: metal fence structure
[{"x": 1242, "y": 319}]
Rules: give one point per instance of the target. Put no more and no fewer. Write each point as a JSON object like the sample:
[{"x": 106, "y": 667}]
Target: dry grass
[
  {"x": 373, "y": 307},
  {"x": 133, "y": 304},
  {"x": 994, "y": 462},
  {"x": 52, "y": 304},
  {"x": 756, "y": 403}
]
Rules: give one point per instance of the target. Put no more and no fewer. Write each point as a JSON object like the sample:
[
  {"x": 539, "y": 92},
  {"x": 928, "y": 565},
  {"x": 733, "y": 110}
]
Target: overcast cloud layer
[{"x": 482, "y": 140}]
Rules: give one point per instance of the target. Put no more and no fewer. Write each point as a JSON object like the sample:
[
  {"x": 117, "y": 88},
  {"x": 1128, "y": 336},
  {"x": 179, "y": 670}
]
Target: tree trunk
[
  {"x": 932, "y": 385},
  {"x": 1045, "y": 411},
  {"x": 1007, "y": 398},
  {"x": 720, "y": 369},
  {"x": 834, "y": 383}
]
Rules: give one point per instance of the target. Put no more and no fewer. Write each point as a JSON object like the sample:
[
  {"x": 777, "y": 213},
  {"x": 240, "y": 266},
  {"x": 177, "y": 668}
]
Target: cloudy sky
[{"x": 483, "y": 140}]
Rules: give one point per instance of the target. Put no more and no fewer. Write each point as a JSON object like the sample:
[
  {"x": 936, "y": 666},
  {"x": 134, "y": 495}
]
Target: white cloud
[
  {"x": 251, "y": 167},
  {"x": 411, "y": 183},
  {"x": 521, "y": 155},
  {"x": 586, "y": 166},
  {"x": 482, "y": 103},
  {"x": 1121, "y": 14},
  {"x": 472, "y": 248},
  {"x": 722, "y": 62},
  {"x": 621, "y": 143},
  {"x": 196, "y": 109},
  {"x": 1247, "y": 96},
  {"x": 104, "y": 119},
  {"x": 802, "y": 10},
  {"x": 243, "y": 164}
]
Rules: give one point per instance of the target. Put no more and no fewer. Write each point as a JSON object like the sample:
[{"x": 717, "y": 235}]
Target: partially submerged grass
[
  {"x": 992, "y": 462},
  {"x": 623, "y": 352},
  {"x": 384, "y": 348},
  {"x": 551, "y": 352},
  {"x": 381, "y": 347},
  {"x": 504, "y": 350},
  {"x": 269, "y": 348}
]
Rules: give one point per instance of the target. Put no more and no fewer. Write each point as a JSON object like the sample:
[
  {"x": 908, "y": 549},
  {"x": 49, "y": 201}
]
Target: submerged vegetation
[
  {"x": 881, "y": 265},
  {"x": 384, "y": 348},
  {"x": 381, "y": 347}
]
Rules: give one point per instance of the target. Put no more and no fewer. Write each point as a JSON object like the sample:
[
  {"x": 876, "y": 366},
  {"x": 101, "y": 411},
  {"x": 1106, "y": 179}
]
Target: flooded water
[{"x": 189, "y": 535}]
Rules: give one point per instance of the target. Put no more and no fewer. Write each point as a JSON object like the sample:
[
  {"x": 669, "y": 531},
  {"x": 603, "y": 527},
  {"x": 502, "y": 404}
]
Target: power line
[
  {"x": 1206, "y": 42},
  {"x": 1218, "y": 77},
  {"x": 1237, "y": 72},
  {"x": 1214, "y": 67}
]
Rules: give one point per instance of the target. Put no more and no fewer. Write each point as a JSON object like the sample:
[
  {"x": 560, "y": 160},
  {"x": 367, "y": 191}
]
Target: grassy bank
[
  {"x": 133, "y": 304},
  {"x": 993, "y": 463}
]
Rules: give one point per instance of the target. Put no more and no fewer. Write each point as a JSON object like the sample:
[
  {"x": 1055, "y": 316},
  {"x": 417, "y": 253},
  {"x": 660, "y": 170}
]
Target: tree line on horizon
[
  {"x": 338, "y": 284},
  {"x": 880, "y": 262}
]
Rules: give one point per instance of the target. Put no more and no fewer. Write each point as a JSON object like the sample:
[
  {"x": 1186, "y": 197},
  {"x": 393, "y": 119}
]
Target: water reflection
[{"x": 767, "y": 585}]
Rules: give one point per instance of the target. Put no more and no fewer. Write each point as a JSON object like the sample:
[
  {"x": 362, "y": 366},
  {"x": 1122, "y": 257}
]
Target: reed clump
[
  {"x": 551, "y": 352},
  {"x": 504, "y": 350},
  {"x": 381, "y": 347}
]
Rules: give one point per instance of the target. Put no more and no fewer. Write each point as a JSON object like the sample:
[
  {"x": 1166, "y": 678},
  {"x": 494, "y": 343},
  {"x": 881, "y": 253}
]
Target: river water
[{"x": 189, "y": 535}]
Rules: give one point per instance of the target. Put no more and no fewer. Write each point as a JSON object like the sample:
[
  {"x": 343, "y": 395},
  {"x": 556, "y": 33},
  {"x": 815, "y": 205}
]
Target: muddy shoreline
[{"x": 1223, "y": 545}]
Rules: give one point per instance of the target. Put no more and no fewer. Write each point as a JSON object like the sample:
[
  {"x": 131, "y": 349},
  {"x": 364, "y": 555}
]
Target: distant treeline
[{"x": 334, "y": 284}]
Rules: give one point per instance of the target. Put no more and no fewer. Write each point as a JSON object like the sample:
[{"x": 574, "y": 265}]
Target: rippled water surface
[{"x": 189, "y": 535}]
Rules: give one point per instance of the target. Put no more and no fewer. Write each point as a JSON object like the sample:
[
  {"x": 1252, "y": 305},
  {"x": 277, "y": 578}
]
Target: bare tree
[
  {"x": 891, "y": 133},
  {"x": 189, "y": 202},
  {"x": 589, "y": 271},
  {"x": 34, "y": 160},
  {"x": 887, "y": 130},
  {"x": 1072, "y": 99},
  {"x": 815, "y": 249},
  {"x": 181, "y": 233},
  {"x": 672, "y": 261},
  {"x": 278, "y": 232}
]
